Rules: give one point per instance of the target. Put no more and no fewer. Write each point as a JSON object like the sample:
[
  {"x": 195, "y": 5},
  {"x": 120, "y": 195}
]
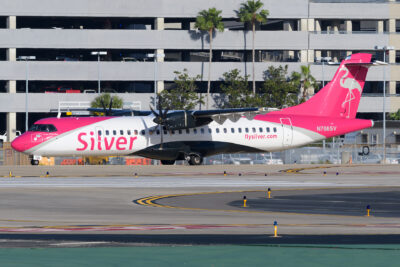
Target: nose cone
[{"x": 20, "y": 143}]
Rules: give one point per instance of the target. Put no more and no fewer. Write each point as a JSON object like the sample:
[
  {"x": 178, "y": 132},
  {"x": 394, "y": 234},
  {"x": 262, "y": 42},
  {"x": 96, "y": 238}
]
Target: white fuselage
[{"x": 127, "y": 135}]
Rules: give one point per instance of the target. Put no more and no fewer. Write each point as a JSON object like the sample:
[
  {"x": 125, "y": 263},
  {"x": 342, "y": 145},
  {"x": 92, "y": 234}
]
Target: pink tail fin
[{"x": 340, "y": 97}]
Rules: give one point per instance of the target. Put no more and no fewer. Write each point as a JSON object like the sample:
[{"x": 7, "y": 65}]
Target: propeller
[
  {"x": 107, "y": 112},
  {"x": 160, "y": 118}
]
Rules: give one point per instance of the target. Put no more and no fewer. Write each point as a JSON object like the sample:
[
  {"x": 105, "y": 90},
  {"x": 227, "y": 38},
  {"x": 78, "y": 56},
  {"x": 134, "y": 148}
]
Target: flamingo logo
[{"x": 350, "y": 84}]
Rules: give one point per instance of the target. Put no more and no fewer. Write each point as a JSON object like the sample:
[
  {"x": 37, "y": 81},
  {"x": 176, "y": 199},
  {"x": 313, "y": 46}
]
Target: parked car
[{"x": 3, "y": 138}]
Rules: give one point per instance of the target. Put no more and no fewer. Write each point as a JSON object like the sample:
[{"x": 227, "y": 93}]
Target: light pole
[
  {"x": 384, "y": 49},
  {"x": 98, "y": 54},
  {"x": 26, "y": 59},
  {"x": 155, "y": 56},
  {"x": 323, "y": 60}
]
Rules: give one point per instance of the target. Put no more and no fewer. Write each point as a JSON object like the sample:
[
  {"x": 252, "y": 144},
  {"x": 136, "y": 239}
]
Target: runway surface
[{"x": 89, "y": 203}]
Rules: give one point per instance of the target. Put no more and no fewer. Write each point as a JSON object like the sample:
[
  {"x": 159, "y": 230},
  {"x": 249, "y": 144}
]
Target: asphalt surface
[
  {"x": 383, "y": 202},
  {"x": 98, "y": 205}
]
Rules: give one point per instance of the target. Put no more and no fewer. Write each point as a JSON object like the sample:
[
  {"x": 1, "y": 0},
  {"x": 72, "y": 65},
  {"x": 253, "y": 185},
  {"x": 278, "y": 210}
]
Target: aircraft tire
[
  {"x": 167, "y": 162},
  {"x": 195, "y": 159}
]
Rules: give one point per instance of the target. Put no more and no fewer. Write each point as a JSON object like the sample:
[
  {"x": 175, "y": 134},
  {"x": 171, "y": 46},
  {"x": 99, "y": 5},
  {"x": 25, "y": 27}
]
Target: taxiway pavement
[{"x": 101, "y": 200}]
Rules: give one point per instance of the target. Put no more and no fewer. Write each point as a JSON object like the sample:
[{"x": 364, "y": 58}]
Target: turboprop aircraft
[{"x": 193, "y": 135}]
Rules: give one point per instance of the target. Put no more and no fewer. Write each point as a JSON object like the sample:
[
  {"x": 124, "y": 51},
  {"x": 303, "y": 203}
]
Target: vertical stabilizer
[{"x": 341, "y": 96}]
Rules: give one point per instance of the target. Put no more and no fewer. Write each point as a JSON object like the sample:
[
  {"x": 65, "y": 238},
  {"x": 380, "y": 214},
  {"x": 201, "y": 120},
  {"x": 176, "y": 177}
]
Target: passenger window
[
  {"x": 180, "y": 131},
  {"x": 274, "y": 130},
  {"x": 209, "y": 130},
  {"x": 261, "y": 130},
  {"x": 99, "y": 133},
  {"x": 121, "y": 132},
  {"x": 233, "y": 130},
  {"x": 240, "y": 130},
  {"x": 195, "y": 131},
  {"x": 225, "y": 130},
  {"x": 158, "y": 132},
  {"x": 114, "y": 132},
  {"x": 172, "y": 132},
  {"x": 129, "y": 132},
  {"x": 142, "y": 132},
  {"x": 165, "y": 131},
  {"x": 188, "y": 131},
  {"x": 107, "y": 132},
  {"x": 202, "y": 130},
  {"x": 217, "y": 130},
  {"x": 136, "y": 132},
  {"x": 254, "y": 130},
  {"x": 247, "y": 130},
  {"x": 267, "y": 129}
]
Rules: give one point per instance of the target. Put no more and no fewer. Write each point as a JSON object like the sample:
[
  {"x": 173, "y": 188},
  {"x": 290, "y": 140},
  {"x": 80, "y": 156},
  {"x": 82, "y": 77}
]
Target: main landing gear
[{"x": 195, "y": 159}]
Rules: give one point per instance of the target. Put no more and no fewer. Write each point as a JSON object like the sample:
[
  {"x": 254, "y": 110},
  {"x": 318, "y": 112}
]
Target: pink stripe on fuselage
[
  {"x": 325, "y": 126},
  {"x": 31, "y": 139}
]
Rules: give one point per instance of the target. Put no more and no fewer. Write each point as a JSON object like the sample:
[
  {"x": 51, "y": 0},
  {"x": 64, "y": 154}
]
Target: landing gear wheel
[
  {"x": 34, "y": 162},
  {"x": 195, "y": 159},
  {"x": 167, "y": 162}
]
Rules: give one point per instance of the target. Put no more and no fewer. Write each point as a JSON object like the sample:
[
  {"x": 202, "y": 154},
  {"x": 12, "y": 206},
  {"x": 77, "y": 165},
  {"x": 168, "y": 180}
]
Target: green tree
[
  {"x": 278, "y": 90},
  {"x": 395, "y": 116},
  {"x": 236, "y": 91},
  {"x": 304, "y": 81},
  {"x": 209, "y": 21},
  {"x": 252, "y": 12},
  {"x": 183, "y": 96},
  {"x": 104, "y": 100}
]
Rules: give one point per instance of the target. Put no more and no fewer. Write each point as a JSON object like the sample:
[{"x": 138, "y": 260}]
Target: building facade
[{"x": 61, "y": 36}]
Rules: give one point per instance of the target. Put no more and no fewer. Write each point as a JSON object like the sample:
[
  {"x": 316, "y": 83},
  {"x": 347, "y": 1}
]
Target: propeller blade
[
  {"x": 110, "y": 107},
  {"x": 104, "y": 106}
]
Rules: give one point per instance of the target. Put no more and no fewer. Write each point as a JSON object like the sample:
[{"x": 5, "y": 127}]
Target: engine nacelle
[{"x": 180, "y": 120}]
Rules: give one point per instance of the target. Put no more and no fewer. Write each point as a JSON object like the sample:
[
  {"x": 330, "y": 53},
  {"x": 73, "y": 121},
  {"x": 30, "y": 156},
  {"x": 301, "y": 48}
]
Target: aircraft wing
[{"x": 233, "y": 114}]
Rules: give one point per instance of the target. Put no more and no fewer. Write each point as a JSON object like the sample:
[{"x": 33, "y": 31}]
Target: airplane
[{"x": 192, "y": 135}]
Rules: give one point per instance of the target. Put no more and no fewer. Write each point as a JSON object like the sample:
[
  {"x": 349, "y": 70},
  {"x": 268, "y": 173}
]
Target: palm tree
[
  {"x": 250, "y": 12},
  {"x": 305, "y": 81},
  {"x": 209, "y": 20}
]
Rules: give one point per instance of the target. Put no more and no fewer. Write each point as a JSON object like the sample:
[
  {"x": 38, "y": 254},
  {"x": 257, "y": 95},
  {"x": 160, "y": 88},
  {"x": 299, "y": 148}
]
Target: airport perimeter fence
[{"x": 330, "y": 154}]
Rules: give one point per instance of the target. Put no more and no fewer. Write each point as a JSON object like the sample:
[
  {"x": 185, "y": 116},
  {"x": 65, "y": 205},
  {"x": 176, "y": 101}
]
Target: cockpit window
[{"x": 48, "y": 128}]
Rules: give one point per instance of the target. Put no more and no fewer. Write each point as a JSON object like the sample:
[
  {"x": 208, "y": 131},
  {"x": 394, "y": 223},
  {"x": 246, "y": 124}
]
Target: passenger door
[{"x": 287, "y": 131}]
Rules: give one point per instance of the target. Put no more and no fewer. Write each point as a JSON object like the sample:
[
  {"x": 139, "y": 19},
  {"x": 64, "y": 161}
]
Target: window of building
[
  {"x": 364, "y": 138},
  {"x": 374, "y": 139},
  {"x": 397, "y": 138}
]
